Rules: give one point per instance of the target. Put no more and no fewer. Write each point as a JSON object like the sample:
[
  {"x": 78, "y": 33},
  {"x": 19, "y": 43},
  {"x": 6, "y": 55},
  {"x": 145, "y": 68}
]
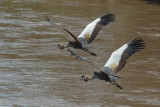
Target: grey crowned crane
[
  {"x": 87, "y": 35},
  {"x": 115, "y": 63}
]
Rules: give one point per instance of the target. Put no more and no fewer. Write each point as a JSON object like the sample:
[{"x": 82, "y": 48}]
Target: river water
[{"x": 34, "y": 73}]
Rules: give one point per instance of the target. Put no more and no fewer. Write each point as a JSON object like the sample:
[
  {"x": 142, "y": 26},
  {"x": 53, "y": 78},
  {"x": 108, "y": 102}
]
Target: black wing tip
[
  {"x": 137, "y": 44},
  {"x": 107, "y": 17},
  {"x": 138, "y": 41}
]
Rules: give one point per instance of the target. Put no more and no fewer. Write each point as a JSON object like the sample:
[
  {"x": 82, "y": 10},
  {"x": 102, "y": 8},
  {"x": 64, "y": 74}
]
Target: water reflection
[{"x": 34, "y": 73}]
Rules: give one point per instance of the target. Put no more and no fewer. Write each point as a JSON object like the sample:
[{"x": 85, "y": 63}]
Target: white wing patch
[
  {"x": 115, "y": 58},
  {"x": 87, "y": 32}
]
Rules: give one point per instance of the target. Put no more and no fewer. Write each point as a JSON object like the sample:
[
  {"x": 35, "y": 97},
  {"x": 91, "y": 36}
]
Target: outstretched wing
[
  {"x": 92, "y": 29},
  {"x": 67, "y": 33},
  {"x": 119, "y": 57}
]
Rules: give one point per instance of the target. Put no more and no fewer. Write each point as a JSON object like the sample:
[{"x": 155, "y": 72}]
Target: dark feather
[
  {"x": 135, "y": 46},
  {"x": 75, "y": 38},
  {"x": 101, "y": 76},
  {"x": 107, "y": 18}
]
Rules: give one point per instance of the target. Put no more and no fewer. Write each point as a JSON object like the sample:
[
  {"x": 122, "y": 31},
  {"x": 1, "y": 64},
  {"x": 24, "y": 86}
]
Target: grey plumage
[{"x": 77, "y": 56}]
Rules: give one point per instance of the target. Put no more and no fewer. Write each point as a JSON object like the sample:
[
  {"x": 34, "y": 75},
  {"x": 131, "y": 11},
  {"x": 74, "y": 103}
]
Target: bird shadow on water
[{"x": 153, "y": 1}]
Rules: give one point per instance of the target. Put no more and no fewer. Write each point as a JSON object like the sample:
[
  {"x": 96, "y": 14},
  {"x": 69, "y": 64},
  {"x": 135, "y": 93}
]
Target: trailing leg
[
  {"x": 118, "y": 86},
  {"x": 88, "y": 51}
]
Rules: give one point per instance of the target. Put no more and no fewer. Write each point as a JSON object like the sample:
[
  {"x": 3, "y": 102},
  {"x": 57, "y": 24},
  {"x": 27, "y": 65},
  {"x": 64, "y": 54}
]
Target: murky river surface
[{"x": 33, "y": 72}]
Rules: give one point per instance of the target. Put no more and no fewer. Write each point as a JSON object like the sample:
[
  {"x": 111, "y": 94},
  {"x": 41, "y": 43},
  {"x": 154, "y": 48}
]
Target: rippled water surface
[{"x": 33, "y": 72}]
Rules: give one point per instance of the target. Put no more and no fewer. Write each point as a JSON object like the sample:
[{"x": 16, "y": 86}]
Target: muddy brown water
[{"x": 33, "y": 72}]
